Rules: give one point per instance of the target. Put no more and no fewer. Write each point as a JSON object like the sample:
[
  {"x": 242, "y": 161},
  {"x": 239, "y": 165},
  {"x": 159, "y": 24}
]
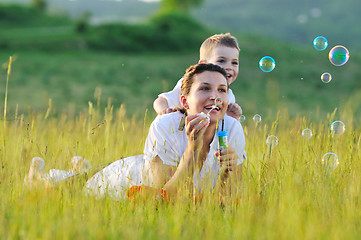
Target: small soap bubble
[
  {"x": 218, "y": 101},
  {"x": 320, "y": 43},
  {"x": 257, "y": 118},
  {"x": 242, "y": 118},
  {"x": 339, "y": 55},
  {"x": 267, "y": 64},
  {"x": 338, "y": 127},
  {"x": 326, "y": 77},
  {"x": 307, "y": 133},
  {"x": 330, "y": 161},
  {"x": 272, "y": 141}
]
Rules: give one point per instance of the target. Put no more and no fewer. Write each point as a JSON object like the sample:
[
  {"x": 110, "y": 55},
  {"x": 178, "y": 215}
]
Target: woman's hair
[
  {"x": 214, "y": 41},
  {"x": 188, "y": 77}
]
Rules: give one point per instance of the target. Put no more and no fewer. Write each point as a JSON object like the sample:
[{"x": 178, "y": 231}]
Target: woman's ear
[{"x": 184, "y": 102}]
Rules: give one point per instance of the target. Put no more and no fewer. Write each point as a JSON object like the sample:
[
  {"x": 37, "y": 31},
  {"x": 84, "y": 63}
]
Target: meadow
[
  {"x": 286, "y": 191},
  {"x": 98, "y": 104}
]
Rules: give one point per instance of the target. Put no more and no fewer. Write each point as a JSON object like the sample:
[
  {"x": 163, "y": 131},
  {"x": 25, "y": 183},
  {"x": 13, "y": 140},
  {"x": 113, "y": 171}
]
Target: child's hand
[
  {"x": 234, "y": 110},
  {"x": 168, "y": 110}
]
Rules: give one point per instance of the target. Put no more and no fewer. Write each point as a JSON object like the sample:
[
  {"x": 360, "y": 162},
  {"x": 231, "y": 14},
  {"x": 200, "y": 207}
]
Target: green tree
[
  {"x": 179, "y": 5},
  {"x": 39, "y": 4}
]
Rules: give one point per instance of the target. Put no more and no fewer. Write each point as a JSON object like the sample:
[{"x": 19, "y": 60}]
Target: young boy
[{"x": 219, "y": 49}]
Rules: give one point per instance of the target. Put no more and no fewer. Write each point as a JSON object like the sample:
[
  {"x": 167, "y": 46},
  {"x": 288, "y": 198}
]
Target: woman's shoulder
[{"x": 168, "y": 120}]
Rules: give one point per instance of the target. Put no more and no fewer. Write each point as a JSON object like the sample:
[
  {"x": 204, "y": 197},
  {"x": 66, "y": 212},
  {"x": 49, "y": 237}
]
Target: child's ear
[
  {"x": 184, "y": 102},
  {"x": 202, "y": 61}
]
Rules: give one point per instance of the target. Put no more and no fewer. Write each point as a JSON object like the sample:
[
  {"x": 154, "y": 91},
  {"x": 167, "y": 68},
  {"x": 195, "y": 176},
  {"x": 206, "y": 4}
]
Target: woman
[
  {"x": 181, "y": 149},
  {"x": 175, "y": 155}
]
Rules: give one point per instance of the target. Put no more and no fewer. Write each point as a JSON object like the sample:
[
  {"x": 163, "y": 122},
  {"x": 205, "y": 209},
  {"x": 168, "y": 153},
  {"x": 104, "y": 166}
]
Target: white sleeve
[
  {"x": 173, "y": 96},
  {"x": 161, "y": 141},
  {"x": 237, "y": 141},
  {"x": 231, "y": 97}
]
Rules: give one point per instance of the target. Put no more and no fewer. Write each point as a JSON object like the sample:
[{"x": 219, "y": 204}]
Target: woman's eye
[
  {"x": 205, "y": 88},
  {"x": 222, "y": 90}
]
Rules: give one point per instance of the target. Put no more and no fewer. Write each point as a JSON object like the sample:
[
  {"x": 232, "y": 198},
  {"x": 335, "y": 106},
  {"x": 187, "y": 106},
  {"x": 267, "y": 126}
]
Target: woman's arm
[
  {"x": 164, "y": 176},
  {"x": 230, "y": 172}
]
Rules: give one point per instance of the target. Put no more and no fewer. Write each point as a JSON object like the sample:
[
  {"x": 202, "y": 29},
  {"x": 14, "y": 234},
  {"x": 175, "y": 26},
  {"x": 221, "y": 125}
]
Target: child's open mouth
[{"x": 229, "y": 76}]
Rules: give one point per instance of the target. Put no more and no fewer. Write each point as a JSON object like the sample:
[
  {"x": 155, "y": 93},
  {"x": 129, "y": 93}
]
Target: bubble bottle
[{"x": 222, "y": 140}]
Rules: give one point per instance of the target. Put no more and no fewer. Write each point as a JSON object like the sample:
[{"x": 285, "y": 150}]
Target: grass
[{"x": 287, "y": 193}]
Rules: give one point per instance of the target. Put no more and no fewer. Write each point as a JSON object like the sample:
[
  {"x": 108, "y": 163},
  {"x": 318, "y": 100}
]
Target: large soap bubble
[
  {"x": 339, "y": 55},
  {"x": 267, "y": 64}
]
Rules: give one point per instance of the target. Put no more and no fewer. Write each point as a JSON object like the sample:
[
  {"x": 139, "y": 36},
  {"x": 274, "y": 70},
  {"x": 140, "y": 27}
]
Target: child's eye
[
  {"x": 221, "y": 61},
  {"x": 205, "y": 88},
  {"x": 235, "y": 63}
]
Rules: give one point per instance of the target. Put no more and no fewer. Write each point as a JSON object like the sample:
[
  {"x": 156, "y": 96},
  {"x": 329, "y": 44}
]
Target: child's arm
[
  {"x": 234, "y": 110},
  {"x": 160, "y": 105}
]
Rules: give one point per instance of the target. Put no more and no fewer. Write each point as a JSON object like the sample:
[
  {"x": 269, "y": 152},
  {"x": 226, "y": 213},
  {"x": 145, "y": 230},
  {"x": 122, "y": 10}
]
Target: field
[
  {"x": 98, "y": 104},
  {"x": 286, "y": 192}
]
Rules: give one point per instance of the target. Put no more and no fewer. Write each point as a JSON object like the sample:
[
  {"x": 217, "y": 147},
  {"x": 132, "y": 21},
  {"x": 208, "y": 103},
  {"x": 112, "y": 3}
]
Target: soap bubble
[
  {"x": 339, "y": 55},
  {"x": 307, "y": 133},
  {"x": 242, "y": 118},
  {"x": 218, "y": 101},
  {"x": 272, "y": 141},
  {"x": 267, "y": 64},
  {"x": 326, "y": 77},
  {"x": 320, "y": 43},
  {"x": 257, "y": 118},
  {"x": 338, "y": 127},
  {"x": 330, "y": 161}
]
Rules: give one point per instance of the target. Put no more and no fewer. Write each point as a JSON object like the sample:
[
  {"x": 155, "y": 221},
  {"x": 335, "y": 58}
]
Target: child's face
[{"x": 227, "y": 58}]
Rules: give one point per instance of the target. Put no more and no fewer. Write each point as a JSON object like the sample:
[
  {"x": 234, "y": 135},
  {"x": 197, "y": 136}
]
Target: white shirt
[
  {"x": 173, "y": 96},
  {"x": 166, "y": 141}
]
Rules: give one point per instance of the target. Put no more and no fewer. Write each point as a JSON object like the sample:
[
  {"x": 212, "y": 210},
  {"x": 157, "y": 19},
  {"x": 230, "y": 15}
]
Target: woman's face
[{"x": 206, "y": 87}]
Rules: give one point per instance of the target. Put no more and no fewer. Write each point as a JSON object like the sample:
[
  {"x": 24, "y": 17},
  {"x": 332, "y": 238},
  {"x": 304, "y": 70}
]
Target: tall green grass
[{"x": 286, "y": 192}]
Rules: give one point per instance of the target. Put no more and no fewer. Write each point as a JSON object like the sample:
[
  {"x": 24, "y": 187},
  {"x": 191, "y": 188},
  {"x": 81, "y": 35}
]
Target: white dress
[
  {"x": 173, "y": 96},
  {"x": 166, "y": 141}
]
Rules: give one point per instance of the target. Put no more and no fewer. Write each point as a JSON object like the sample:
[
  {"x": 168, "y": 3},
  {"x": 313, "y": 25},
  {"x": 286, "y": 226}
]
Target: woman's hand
[
  {"x": 195, "y": 127},
  {"x": 230, "y": 172},
  {"x": 227, "y": 160}
]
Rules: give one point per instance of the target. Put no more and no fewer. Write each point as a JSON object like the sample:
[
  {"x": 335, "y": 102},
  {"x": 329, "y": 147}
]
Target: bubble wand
[{"x": 217, "y": 102}]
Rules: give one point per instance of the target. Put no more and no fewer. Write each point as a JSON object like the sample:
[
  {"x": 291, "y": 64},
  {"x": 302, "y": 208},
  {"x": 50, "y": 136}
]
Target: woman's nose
[{"x": 214, "y": 94}]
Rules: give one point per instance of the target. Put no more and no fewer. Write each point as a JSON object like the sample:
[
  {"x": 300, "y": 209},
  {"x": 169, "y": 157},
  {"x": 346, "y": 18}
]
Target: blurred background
[{"x": 67, "y": 53}]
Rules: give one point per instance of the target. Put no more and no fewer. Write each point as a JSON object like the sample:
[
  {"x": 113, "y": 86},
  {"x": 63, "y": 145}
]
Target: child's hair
[
  {"x": 216, "y": 40},
  {"x": 188, "y": 77}
]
